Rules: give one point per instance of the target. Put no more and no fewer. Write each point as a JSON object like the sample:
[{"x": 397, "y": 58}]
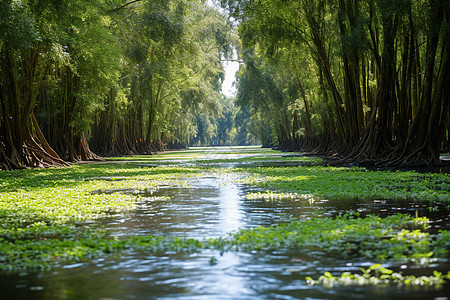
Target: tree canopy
[
  {"x": 362, "y": 79},
  {"x": 115, "y": 77},
  {"x": 366, "y": 80}
]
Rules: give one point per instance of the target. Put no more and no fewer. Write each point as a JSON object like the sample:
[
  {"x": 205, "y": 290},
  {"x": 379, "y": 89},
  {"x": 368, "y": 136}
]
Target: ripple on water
[{"x": 213, "y": 207}]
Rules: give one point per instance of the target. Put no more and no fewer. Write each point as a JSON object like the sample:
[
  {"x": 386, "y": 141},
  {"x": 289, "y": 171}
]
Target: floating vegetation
[
  {"x": 42, "y": 212},
  {"x": 79, "y": 193},
  {"x": 350, "y": 183},
  {"x": 267, "y": 195},
  {"x": 271, "y": 196},
  {"x": 378, "y": 275},
  {"x": 156, "y": 198},
  {"x": 271, "y": 158},
  {"x": 42, "y": 247},
  {"x": 396, "y": 238}
]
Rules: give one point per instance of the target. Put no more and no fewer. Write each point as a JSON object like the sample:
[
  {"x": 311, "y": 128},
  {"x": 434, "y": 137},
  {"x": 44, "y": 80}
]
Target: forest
[
  {"x": 80, "y": 79},
  {"x": 129, "y": 169},
  {"x": 362, "y": 80}
]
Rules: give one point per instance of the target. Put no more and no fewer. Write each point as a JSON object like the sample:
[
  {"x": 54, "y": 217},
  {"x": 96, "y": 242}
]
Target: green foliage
[
  {"x": 273, "y": 196},
  {"x": 382, "y": 276},
  {"x": 174, "y": 69},
  {"x": 130, "y": 76},
  {"x": 318, "y": 70},
  {"x": 223, "y": 128},
  {"x": 41, "y": 247},
  {"x": 58, "y": 196},
  {"x": 42, "y": 209},
  {"x": 17, "y": 25},
  {"x": 352, "y": 183},
  {"x": 397, "y": 237}
]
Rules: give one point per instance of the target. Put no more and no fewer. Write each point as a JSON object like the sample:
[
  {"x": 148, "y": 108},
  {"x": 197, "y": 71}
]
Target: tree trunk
[{"x": 22, "y": 142}]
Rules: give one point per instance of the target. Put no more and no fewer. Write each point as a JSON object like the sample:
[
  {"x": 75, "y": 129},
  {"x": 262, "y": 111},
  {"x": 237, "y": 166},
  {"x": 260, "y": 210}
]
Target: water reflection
[
  {"x": 236, "y": 276},
  {"x": 207, "y": 207},
  {"x": 230, "y": 210},
  {"x": 211, "y": 207}
]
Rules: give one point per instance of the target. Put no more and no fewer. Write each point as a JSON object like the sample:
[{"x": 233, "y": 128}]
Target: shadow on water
[{"x": 212, "y": 207}]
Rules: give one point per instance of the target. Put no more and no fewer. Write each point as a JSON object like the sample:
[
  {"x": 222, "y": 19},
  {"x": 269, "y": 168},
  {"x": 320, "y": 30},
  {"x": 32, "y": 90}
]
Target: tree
[
  {"x": 22, "y": 53},
  {"x": 78, "y": 78},
  {"x": 380, "y": 68},
  {"x": 172, "y": 72}
]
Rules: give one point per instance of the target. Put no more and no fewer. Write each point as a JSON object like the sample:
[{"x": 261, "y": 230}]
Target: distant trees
[
  {"x": 229, "y": 126},
  {"x": 371, "y": 75},
  {"x": 117, "y": 77}
]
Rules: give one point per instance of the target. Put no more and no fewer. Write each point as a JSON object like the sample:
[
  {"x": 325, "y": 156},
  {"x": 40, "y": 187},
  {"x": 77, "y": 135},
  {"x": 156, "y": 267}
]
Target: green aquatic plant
[
  {"x": 350, "y": 183},
  {"x": 269, "y": 158},
  {"x": 201, "y": 154},
  {"x": 267, "y": 195},
  {"x": 213, "y": 261},
  {"x": 79, "y": 193},
  {"x": 44, "y": 213},
  {"x": 41, "y": 246},
  {"x": 378, "y": 275},
  {"x": 397, "y": 237}
]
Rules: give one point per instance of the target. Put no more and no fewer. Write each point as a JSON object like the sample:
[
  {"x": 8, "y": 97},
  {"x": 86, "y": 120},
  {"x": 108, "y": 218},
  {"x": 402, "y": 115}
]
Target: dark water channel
[{"x": 212, "y": 207}]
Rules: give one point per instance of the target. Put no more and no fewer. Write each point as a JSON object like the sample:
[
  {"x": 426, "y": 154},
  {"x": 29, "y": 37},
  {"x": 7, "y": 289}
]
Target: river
[{"x": 212, "y": 206}]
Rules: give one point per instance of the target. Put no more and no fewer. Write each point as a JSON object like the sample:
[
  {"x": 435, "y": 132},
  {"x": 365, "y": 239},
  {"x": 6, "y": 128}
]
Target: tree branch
[
  {"x": 122, "y": 6},
  {"x": 233, "y": 60}
]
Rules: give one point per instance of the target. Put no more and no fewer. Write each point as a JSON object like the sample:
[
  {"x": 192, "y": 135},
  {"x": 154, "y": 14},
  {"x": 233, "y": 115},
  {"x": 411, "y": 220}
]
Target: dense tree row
[
  {"x": 365, "y": 79},
  {"x": 362, "y": 79},
  {"x": 114, "y": 76},
  {"x": 229, "y": 126}
]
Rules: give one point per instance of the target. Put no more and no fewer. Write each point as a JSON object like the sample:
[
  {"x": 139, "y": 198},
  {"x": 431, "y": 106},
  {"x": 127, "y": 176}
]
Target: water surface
[{"x": 212, "y": 206}]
